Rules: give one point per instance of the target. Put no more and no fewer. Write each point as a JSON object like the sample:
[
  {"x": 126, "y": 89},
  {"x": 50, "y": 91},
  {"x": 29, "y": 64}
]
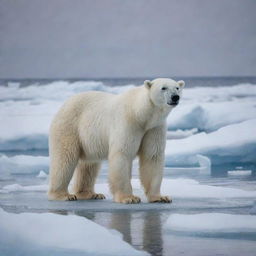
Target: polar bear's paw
[
  {"x": 98, "y": 196},
  {"x": 128, "y": 199},
  {"x": 62, "y": 196},
  {"x": 71, "y": 198},
  {"x": 88, "y": 196},
  {"x": 160, "y": 199}
]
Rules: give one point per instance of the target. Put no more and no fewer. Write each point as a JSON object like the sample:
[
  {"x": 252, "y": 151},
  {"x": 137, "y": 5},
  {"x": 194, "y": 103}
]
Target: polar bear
[{"x": 94, "y": 126}]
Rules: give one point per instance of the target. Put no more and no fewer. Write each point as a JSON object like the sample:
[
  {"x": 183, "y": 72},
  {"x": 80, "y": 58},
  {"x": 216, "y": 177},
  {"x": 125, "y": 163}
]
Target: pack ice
[{"x": 206, "y": 122}]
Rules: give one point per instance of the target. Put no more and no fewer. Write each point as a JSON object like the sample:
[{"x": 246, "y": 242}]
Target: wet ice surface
[
  {"x": 210, "y": 174},
  {"x": 148, "y": 227}
]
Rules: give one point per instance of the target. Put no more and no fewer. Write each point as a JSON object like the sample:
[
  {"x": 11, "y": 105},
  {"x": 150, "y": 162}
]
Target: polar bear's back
[
  {"x": 79, "y": 104},
  {"x": 85, "y": 118}
]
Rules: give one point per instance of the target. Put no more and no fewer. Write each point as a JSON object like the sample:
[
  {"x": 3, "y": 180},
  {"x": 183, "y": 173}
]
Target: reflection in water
[
  {"x": 143, "y": 230},
  {"x": 122, "y": 223},
  {"x": 152, "y": 234},
  {"x": 61, "y": 212}
]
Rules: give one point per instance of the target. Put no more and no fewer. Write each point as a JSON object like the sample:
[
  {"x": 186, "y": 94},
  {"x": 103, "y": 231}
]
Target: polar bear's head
[{"x": 164, "y": 91}]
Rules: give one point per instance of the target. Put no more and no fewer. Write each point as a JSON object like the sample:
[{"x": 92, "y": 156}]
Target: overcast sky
[{"x": 127, "y": 38}]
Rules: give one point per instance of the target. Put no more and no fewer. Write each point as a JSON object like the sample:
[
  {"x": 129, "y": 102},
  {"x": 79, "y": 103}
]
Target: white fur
[{"x": 94, "y": 126}]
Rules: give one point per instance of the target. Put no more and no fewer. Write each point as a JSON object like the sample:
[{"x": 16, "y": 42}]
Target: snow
[
  {"x": 219, "y": 94},
  {"x": 25, "y": 160},
  {"x": 210, "y": 116},
  {"x": 232, "y": 143},
  {"x": 31, "y": 116},
  {"x": 190, "y": 188},
  {"x": 27, "y": 164},
  {"x": 21, "y": 164},
  {"x": 32, "y": 108},
  {"x": 211, "y": 222},
  {"x": 70, "y": 232},
  {"x": 58, "y": 90},
  {"x": 180, "y": 134},
  {"x": 211, "y": 128}
]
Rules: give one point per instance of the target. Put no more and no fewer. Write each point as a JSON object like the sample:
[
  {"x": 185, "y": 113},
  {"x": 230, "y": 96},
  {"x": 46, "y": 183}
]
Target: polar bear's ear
[
  {"x": 148, "y": 84},
  {"x": 181, "y": 83}
]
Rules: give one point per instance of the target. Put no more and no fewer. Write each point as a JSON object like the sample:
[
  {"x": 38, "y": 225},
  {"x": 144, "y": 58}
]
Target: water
[
  {"x": 143, "y": 225},
  {"x": 190, "y": 81}
]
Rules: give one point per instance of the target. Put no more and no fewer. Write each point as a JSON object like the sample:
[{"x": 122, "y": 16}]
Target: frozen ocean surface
[{"x": 210, "y": 174}]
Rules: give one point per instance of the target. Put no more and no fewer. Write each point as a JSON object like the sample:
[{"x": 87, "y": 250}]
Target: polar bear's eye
[
  {"x": 164, "y": 88},
  {"x": 177, "y": 88}
]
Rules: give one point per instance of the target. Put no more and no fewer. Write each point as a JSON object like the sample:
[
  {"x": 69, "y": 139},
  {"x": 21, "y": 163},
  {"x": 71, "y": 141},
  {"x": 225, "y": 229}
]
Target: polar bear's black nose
[{"x": 175, "y": 98}]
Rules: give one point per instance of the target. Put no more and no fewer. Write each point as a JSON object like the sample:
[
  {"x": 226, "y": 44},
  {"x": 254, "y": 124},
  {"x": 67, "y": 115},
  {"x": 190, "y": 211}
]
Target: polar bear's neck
[{"x": 141, "y": 109}]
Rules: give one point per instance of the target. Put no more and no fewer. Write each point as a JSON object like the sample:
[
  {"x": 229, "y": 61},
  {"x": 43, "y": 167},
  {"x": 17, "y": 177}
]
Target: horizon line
[{"x": 124, "y": 77}]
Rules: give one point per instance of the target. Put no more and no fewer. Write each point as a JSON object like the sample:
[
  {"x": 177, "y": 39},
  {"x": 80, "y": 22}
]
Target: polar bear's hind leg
[
  {"x": 85, "y": 177},
  {"x": 64, "y": 157},
  {"x": 61, "y": 173}
]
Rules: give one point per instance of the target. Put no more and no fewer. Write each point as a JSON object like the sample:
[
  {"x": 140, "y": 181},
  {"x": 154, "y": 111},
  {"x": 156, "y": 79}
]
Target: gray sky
[{"x": 127, "y": 38}]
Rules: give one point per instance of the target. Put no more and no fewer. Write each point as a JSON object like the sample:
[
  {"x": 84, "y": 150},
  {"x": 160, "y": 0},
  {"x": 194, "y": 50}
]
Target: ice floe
[
  {"x": 222, "y": 112},
  {"x": 20, "y": 188},
  {"x": 211, "y": 222},
  {"x": 230, "y": 144},
  {"x": 53, "y": 232},
  {"x": 203, "y": 162},
  {"x": 23, "y": 164},
  {"x": 240, "y": 173},
  {"x": 42, "y": 175},
  {"x": 211, "y": 116}
]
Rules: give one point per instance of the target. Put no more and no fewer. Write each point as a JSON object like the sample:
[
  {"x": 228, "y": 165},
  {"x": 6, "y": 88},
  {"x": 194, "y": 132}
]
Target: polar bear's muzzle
[{"x": 174, "y": 100}]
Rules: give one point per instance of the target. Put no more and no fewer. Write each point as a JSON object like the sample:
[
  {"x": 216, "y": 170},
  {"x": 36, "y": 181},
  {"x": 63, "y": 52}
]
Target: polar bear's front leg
[
  {"x": 120, "y": 178},
  {"x": 151, "y": 174},
  {"x": 151, "y": 161}
]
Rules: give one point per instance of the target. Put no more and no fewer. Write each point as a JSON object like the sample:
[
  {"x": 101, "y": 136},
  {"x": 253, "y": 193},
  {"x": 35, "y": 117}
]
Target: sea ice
[
  {"x": 189, "y": 188},
  {"x": 230, "y": 144},
  {"x": 210, "y": 116},
  {"x": 42, "y": 175},
  {"x": 203, "y": 162},
  {"x": 32, "y": 109},
  {"x": 211, "y": 222},
  {"x": 177, "y": 188},
  {"x": 52, "y": 231},
  {"x": 181, "y": 134},
  {"x": 20, "y": 188},
  {"x": 239, "y": 173},
  {"x": 21, "y": 164}
]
